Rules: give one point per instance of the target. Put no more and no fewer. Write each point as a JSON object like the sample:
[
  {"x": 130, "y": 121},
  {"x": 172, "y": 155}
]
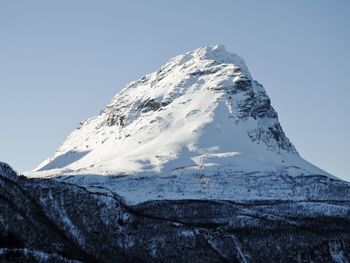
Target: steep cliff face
[
  {"x": 199, "y": 127},
  {"x": 44, "y": 220}
]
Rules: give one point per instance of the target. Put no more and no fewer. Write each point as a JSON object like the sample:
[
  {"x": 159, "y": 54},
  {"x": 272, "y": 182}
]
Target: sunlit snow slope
[{"x": 199, "y": 116}]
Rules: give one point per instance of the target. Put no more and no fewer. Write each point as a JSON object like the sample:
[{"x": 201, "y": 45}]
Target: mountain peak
[
  {"x": 219, "y": 54},
  {"x": 215, "y": 53},
  {"x": 199, "y": 114}
]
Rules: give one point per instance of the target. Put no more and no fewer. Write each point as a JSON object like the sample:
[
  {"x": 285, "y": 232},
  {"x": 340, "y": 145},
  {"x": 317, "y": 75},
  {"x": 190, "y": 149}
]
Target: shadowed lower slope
[{"x": 42, "y": 219}]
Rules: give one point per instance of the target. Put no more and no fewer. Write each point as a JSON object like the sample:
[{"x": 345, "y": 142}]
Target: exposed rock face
[{"x": 43, "y": 220}]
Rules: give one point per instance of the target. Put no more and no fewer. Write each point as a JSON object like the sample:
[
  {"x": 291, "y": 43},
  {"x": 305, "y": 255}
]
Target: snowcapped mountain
[
  {"x": 187, "y": 164},
  {"x": 199, "y": 127}
]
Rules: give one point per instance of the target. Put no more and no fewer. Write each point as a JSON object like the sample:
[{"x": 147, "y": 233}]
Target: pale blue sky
[{"x": 62, "y": 61}]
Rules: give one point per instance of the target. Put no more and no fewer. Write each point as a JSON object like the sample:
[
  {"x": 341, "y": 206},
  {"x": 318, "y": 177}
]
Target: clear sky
[{"x": 62, "y": 61}]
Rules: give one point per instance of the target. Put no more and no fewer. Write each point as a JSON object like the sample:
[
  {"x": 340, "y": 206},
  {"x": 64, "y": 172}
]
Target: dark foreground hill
[{"x": 43, "y": 220}]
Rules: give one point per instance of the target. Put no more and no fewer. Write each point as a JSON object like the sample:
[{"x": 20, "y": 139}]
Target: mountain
[
  {"x": 200, "y": 127},
  {"x": 187, "y": 164}
]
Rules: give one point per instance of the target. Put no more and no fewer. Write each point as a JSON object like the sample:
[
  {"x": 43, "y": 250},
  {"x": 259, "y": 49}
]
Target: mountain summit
[{"x": 199, "y": 127}]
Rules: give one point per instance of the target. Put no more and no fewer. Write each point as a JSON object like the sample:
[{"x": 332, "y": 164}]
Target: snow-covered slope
[{"x": 199, "y": 119}]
